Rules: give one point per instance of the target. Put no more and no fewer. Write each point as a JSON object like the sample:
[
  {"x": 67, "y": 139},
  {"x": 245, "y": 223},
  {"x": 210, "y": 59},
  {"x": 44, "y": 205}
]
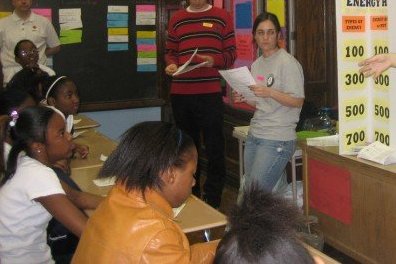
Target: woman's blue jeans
[{"x": 265, "y": 161}]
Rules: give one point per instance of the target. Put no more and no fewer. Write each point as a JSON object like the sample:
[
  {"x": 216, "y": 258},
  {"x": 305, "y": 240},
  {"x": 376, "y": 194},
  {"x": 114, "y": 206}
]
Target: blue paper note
[
  {"x": 117, "y": 16},
  {"x": 117, "y": 46},
  {"x": 147, "y": 68},
  {"x": 244, "y": 15},
  {"x": 117, "y": 23}
]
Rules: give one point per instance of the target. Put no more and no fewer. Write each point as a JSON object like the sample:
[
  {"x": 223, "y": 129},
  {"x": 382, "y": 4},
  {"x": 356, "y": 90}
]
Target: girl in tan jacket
[{"x": 154, "y": 166}]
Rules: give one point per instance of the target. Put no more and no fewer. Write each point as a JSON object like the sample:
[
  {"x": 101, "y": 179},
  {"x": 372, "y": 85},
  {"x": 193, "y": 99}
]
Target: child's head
[
  {"x": 14, "y": 99},
  {"x": 262, "y": 230},
  {"x": 61, "y": 92},
  {"x": 29, "y": 81},
  {"x": 40, "y": 132},
  {"x": 26, "y": 54},
  {"x": 155, "y": 155}
]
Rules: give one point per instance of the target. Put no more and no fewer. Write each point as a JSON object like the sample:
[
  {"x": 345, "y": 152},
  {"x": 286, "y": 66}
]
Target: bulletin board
[
  {"x": 109, "y": 48},
  {"x": 366, "y": 106}
]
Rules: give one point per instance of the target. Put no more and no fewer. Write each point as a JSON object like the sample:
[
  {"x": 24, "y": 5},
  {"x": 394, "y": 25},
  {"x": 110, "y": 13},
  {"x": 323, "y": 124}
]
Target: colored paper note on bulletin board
[
  {"x": 244, "y": 46},
  {"x": 278, "y": 8},
  {"x": 330, "y": 190},
  {"x": 243, "y": 15}
]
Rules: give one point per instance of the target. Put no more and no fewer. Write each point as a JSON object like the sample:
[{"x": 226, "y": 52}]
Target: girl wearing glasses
[{"x": 279, "y": 94}]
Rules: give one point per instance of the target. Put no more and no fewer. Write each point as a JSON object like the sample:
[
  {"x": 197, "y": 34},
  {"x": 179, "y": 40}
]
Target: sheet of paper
[
  {"x": 105, "y": 181},
  {"x": 325, "y": 141},
  {"x": 240, "y": 79},
  {"x": 186, "y": 67},
  {"x": 379, "y": 153},
  {"x": 78, "y": 133}
]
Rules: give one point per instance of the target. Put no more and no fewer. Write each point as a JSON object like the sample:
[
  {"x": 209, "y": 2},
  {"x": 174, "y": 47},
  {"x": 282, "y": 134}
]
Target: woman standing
[{"x": 279, "y": 76}]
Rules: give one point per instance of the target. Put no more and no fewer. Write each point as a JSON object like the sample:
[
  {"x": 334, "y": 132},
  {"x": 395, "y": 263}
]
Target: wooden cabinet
[{"x": 370, "y": 236}]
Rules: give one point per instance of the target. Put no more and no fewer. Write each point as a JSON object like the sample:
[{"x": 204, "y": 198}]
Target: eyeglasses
[
  {"x": 26, "y": 53},
  {"x": 268, "y": 32}
]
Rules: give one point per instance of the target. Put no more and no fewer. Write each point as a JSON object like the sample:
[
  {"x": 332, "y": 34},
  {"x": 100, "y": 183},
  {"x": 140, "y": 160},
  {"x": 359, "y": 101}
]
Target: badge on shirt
[
  {"x": 208, "y": 25},
  {"x": 270, "y": 80}
]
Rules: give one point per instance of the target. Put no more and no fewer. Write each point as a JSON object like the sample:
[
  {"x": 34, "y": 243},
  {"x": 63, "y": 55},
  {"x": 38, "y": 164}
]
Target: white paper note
[{"x": 186, "y": 67}]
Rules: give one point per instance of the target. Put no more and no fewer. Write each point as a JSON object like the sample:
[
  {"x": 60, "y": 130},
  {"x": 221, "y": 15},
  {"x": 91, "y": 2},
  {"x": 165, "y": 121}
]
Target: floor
[{"x": 228, "y": 200}]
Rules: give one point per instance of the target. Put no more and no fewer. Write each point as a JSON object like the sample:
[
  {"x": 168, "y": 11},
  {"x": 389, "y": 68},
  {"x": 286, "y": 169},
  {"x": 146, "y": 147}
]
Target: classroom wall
[{"x": 114, "y": 123}]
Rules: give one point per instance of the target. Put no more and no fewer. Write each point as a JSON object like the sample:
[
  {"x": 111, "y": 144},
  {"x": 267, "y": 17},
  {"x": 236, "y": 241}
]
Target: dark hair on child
[
  {"x": 18, "y": 46},
  {"x": 31, "y": 126},
  {"x": 266, "y": 16},
  {"x": 11, "y": 99},
  {"x": 28, "y": 80},
  {"x": 54, "y": 83},
  {"x": 145, "y": 151},
  {"x": 262, "y": 230}
]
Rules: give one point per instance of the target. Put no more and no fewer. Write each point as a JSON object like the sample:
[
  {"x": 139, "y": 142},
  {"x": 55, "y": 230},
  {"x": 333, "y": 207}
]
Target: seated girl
[
  {"x": 154, "y": 166},
  {"x": 62, "y": 242},
  {"x": 61, "y": 93},
  {"x": 30, "y": 192}
]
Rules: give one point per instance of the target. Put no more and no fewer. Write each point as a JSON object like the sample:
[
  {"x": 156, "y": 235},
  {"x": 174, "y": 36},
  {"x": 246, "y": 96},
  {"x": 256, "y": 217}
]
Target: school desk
[
  {"x": 83, "y": 122},
  {"x": 195, "y": 215},
  {"x": 99, "y": 145},
  {"x": 355, "y": 202}
]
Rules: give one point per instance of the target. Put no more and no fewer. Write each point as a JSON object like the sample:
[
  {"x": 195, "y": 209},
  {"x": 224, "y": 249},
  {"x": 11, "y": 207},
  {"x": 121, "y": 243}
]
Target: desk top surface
[
  {"x": 99, "y": 145},
  {"x": 195, "y": 216}
]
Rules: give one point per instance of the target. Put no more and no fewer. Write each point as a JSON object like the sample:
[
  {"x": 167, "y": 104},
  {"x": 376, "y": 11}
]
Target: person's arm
[
  {"x": 52, "y": 51},
  {"x": 227, "y": 58},
  {"x": 377, "y": 64},
  {"x": 52, "y": 40},
  {"x": 60, "y": 207},
  {"x": 281, "y": 97},
  {"x": 171, "y": 50},
  {"x": 81, "y": 199}
]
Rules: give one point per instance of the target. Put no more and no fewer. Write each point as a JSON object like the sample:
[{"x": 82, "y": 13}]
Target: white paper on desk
[
  {"x": 76, "y": 121},
  {"x": 379, "y": 153},
  {"x": 102, "y": 182},
  {"x": 78, "y": 133},
  {"x": 186, "y": 67},
  {"x": 326, "y": 141},
  {"x": 240, "y": 79}
]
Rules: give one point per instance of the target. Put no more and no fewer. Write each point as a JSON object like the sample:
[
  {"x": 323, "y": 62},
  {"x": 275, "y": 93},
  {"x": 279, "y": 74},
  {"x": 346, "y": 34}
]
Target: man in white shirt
[{"x": 24, "y": 24}]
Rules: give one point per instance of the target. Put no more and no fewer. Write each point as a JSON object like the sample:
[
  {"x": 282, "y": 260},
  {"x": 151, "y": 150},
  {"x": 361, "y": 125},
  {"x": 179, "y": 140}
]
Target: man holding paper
[{"x": 196, "y": 94}]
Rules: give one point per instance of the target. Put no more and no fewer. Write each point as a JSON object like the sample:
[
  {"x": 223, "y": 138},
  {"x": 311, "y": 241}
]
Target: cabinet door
[{"x": 316, "y": 49}]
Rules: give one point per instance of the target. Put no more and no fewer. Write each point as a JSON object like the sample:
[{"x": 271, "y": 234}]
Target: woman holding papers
[{"x": 279, "y": 92}]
